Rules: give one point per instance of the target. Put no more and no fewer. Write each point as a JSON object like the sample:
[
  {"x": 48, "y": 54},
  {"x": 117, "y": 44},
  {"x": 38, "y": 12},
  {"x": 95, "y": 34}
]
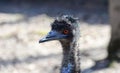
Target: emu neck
[{"x": 70, "y": 62}]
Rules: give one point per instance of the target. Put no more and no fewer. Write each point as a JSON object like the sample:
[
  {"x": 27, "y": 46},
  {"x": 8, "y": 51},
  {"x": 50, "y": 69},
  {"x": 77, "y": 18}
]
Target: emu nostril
[{"x": 50, "y": 32}]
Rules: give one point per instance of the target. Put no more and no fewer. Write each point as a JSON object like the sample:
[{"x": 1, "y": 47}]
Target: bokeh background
[{"x": 24, "y": 22}]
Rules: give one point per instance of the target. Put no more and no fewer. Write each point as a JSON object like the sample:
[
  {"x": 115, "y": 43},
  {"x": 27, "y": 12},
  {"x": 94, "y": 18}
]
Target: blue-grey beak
[{"x": 52, "y": 35}]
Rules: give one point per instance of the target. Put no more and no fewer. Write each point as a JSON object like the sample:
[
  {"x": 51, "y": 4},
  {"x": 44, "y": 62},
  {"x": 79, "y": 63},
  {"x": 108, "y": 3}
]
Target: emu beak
[{"x": 52, "y": 35}]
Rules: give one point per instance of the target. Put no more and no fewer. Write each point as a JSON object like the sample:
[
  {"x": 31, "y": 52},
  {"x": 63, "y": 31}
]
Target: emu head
[{"x": 64, "y": 28}]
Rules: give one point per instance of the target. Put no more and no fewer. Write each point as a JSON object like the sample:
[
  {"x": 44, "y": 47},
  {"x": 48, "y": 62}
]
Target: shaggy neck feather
[{"x": 71, "y": 57}]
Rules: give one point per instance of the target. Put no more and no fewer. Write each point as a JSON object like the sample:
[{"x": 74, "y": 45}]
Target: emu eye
[{"x": 65, "y": 31}]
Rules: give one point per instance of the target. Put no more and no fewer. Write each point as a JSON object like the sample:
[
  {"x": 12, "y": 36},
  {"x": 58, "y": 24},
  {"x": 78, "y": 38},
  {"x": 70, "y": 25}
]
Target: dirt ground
[{"x": 21, "y": 27}]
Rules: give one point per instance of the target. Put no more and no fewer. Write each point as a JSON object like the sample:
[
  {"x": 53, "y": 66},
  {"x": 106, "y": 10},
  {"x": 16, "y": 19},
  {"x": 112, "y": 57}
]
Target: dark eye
[{"x": 65, "y": 31}]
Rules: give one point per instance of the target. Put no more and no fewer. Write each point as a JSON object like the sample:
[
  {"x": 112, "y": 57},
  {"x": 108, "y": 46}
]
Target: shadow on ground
[{"x": 91, "y": 14}]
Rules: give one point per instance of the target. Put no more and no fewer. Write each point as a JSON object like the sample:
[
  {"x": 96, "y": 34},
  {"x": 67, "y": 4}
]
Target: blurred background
[{"x": 24, "y": 22}]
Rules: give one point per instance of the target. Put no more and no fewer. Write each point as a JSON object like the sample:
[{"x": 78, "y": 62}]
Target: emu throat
[{"x": 71, "y": 57}]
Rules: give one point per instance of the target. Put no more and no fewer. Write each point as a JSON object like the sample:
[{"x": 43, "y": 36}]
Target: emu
[{"x": 66, "y": 30}]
